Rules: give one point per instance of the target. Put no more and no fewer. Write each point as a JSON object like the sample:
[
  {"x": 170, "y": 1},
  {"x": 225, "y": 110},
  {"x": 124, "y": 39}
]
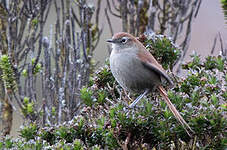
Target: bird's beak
[{"x": 110, "y": 41}]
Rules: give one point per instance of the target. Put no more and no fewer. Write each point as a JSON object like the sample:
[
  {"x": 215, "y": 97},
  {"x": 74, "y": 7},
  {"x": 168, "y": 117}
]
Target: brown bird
[{"x": 136, "y": 70}]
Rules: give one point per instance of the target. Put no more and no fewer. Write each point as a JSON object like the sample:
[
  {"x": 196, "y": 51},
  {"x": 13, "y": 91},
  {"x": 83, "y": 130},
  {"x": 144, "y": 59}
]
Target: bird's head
[{"x": 123, "y": 41}]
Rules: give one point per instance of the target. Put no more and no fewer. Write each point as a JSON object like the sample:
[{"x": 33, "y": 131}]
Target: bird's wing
[
  {"x": 159, "y": 71},
  {"x": 151, "y": 63}
]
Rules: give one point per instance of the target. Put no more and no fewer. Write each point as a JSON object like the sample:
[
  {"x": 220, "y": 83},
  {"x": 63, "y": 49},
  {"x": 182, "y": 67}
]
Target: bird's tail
[{"x": 174, "y": 110}]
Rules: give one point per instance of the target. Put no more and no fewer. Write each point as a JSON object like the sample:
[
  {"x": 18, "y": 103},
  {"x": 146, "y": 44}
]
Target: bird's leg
[
  {"x": 138, "y": 98},
  {"x": 127, "y": 95}
]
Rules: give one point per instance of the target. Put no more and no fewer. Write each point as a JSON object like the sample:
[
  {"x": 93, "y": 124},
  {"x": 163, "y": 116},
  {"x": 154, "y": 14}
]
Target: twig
[
  {"x": 123, "y": 11},
  {"x": 127, "y": 141},
  {"x": 109, "y": 7},
  {"x": 41, "y": 23},
  {"x": 221, "y": 42},
  {"x": 197, "y": 9},
  {"x": 76, "y": 18},
  {"x": 184, "y": 44},
  {"x": 131, "y": 18},
  {"x": 109, "y": 22},
  {"x": 214, "y": 45},
  {"x": 97, "y": 12},
  {"x": 194, "y": 143},
  {"x": 115, "y": 6},
  {"x": 151, "y": 19}
]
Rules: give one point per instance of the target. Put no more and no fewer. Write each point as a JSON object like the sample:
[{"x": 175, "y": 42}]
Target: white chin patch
[{"x": 113, "y": 46}]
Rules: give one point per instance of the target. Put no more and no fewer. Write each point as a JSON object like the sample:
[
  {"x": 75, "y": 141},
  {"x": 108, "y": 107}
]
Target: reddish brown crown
[{"x": 123, "y": 34}]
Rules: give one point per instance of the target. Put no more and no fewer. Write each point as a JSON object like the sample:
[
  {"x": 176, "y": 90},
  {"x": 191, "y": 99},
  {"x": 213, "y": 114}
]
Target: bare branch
[
  {"x": 111, "y": 12},
  {"x": 76, "y": 18},
  {"x": 109, "y": 22},
  {"x": 97, "y": 12},
  {"x": 214, "y": 45},
  {"x": 197, "y": 9}
]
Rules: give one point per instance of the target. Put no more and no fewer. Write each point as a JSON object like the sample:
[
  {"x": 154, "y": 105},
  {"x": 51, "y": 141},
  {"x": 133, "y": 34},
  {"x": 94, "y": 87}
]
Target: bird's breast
[{"x": 130, "y": 72}]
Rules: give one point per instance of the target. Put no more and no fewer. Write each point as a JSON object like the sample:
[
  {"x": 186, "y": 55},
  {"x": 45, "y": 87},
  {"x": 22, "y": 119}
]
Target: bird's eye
[{"x": 124, "y": 40}]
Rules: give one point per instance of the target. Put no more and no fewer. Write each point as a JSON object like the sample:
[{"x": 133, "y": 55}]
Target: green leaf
[
  {"x": 214, "y": 99},
  {"x": 167, "y": 114},
  {"x": 220, "y": 63},
  {"x": 26, "y": 100},
  {"x": 101, "y": 97},
  {"x": 86, "y": 96},
  {"x": 77, "y": 145},
  {"x": 25, "y": 73},
  {"x": 8, "y": 143},
  {"x": 1, "y": 145},
  {"x": 30, "y": 108}
]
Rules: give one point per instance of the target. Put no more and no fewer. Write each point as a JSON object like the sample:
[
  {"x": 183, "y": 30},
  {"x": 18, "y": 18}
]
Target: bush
[{"x": 105, "y": 122}]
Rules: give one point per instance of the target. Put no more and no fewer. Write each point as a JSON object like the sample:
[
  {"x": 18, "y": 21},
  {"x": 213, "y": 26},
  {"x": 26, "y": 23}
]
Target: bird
[{"x": 136, "y": 70}]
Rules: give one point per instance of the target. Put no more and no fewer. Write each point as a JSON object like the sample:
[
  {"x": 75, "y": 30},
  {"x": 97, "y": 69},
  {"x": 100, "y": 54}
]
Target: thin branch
[
  {"x": 109, "y": 22},
  {"x": 115, "y": 6},
  {"x": 214, "y": 45},
  {"x": 76, "y": 18},
  {"x": 98, "y": 38},
  {"x": 125, "y": 147},
  {"x": 131, "y": 18},
  {"x": 98, "y": 5},
  {"x": 221, "y": 42},
  {"x": 197, "y": 9},
  {"x": 111, "y": 12},
  {"x": 124, "y": 12}
]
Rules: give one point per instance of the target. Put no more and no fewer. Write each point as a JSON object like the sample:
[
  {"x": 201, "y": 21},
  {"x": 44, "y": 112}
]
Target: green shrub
[
  {"x": 164, "y": 50},
  {"x": 108, "y": 123},
  {"x": 105, "y": 122},
  {"x": 29, "y": 132}
]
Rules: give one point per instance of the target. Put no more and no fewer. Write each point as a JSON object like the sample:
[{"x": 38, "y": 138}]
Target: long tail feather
[{"x": 174, "y": 110}]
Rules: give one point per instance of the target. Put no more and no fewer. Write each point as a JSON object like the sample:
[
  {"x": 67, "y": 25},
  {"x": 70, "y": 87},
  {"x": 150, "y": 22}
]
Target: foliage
[
  {"x": 163, "y": 48},
  {"x": 29, "y": 132},
  {"x": 86, "y": 96},
  {"x": 8, "y": 75},
  {"x": 28, "y": 107},
  {"x": 224, "y": 7},
  {"x": 106, "y": 123},
  {"x": 37, "y": 68},
  {"x": 50, "y": 68}
]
